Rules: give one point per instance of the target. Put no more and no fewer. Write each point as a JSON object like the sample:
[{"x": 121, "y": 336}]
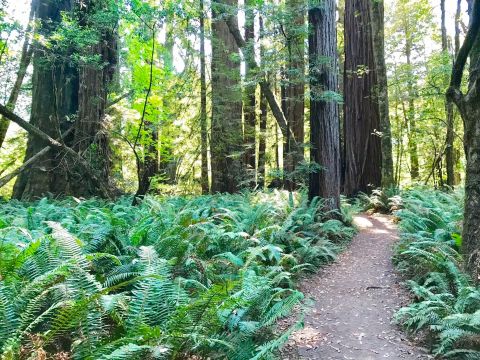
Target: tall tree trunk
[
  {"x": 412, "y": 133},
  {"x": 324, "y": 117},
  {"x": 60, "y": 90},
  {"x": 54, "y": 99},
  {"x": 378, "y": 31},
  {"x": 469, "y": 108},
  {"x": 449, "y": 149},
  {"x": 262, "y": 146},
  {"x": 25, "y": 58},
  {"x": 92, "y": 135},
  {"x": 363, "y": 152},
  {"x": 227, "y": 135},
  {"x": 250, "y": 89},
  {"x": 203, "y": 105},
  {"x": 294, "y": 111}
]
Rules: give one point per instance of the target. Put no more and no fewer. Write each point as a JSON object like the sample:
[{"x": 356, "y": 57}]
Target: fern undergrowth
[
  {"x": 174, "y": 278},
  {"x": 447, "y": 303}
]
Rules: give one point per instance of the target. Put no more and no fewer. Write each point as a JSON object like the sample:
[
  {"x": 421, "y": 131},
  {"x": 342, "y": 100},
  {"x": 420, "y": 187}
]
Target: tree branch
[
  {"x": 460, "y": 61},
  {"x": 264, "y": 85},
  {"x": 55, "y": 144},
  {"x": 5, "y": 179}
]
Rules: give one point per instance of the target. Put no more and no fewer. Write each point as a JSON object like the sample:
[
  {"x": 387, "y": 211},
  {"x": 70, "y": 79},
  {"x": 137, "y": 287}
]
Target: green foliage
[
  {"x": 446, "y": 302},
  {"x": 172, "y": 278}
]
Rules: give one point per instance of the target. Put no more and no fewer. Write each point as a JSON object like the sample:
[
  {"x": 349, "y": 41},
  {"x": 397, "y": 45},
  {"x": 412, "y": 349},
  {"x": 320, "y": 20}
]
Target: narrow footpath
[{"x": 354, "y": 300}]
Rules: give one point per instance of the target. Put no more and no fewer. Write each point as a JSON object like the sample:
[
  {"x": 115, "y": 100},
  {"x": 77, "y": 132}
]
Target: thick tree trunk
[
  {"x": 249, "y": 103},
  {"x": 324, "y": 117},
  {"x": 363, "y": 152},
  {"x": 469, "y": 108},
  {"x": 378, "y": 31},
  {"x": 54, "y": 99},
  {"x": 92, "y": 138},
  {"x": 25, "y": 58},
  {"x": 60, "y": 90},
  {"x": 227, "y": 138},
  {"x": 203, "y": 105},
  {"x": 294, "y": 111}
]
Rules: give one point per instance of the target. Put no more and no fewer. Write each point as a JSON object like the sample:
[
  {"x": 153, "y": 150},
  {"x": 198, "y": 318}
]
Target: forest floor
[{"x": 354, "y": 300}]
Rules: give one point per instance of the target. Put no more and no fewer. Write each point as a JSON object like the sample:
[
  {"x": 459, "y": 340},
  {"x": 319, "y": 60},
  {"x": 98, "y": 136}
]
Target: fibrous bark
[
  {"x": 226, "y": 134},
  {"x": 63, "y": 89},
  {"x": 378, "y": 31},
  {"x": 324, "y": 117},
  {"x": 469, "y": 107},
  {"x": 363, "y": 152},
  {"x": 294, "y": 96}
]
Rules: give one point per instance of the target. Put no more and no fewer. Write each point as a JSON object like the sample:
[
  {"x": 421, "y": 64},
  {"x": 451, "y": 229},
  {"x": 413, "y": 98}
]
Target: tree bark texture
[
  {"x": 363, "y": 151},
  {"x": 54, "y": 100},
  {"x": 378, "y": 31},
  {"x": 227, "y": 133},
  {"x": 324, "y": 115},
  {"x": 294, "y": 88},
  {"x": 61, "y": 91},
  {"x": 469, "y": 107}
]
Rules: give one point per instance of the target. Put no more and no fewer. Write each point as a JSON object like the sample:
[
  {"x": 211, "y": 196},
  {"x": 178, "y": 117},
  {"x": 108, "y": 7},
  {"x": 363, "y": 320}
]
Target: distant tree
[
  {"x": 203, "y": 105},
  {"x": 378, "y": 31},
  {"x": 294, "y": 88}
]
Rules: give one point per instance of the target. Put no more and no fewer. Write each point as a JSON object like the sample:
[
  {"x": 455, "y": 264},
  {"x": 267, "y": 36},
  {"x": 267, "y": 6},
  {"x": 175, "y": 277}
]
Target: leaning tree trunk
[
  {"x": 25, "y": 58},
  {"x": 324, "y": 117},
  {"x": 469, "y": 108},
  {"x": 226, "y": 134},
  {"x": 363, "y": 152},
  {"x": 294, "y": 88},
  {"x": 378, "y": 31}
]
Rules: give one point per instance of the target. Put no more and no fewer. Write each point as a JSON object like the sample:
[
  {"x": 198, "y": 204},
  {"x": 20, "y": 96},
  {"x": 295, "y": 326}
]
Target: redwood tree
[
  {"x": 226, "y": 134},
  {"x": 324, "y": 117},
  {"x": 469, "y": 107},
  {"x": 363, "y": 153},
  {"x": 64, "y": 91}
]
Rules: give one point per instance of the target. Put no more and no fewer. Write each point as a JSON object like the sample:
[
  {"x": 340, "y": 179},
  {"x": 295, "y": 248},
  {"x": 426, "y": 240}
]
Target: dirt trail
[{"x": 354, "y": 301}]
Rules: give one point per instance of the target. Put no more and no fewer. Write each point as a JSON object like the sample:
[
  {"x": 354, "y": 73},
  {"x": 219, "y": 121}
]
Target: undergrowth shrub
[
  {"x": 447, "y": 303},
  {"x": 174, "y": 278}
]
